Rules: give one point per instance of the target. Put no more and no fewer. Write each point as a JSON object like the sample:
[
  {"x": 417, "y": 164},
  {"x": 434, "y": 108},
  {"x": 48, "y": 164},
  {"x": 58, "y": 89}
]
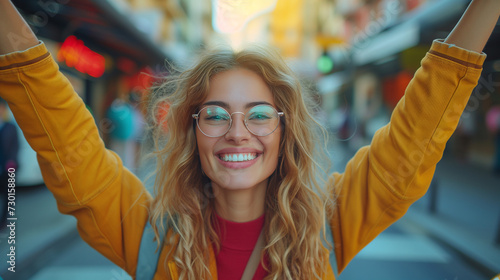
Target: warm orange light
[
  {"x": 161, "y": 115},
  {"x": 80, "y": 57}
]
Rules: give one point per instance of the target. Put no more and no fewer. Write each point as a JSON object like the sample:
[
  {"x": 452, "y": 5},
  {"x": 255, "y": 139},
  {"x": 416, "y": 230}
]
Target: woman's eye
[
  {"x": 217, "y": 118},
  {"x": 259, "y": 116}
]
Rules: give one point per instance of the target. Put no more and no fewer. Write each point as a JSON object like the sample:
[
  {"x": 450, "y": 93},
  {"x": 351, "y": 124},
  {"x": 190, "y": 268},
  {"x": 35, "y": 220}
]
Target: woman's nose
[{"x": 238, "y": 131}]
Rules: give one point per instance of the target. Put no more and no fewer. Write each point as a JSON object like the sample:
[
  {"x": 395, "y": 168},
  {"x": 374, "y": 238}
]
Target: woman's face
[{"x": 237, "y": 90}]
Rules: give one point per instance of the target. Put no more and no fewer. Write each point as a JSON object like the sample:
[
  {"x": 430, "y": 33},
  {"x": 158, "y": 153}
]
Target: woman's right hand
[{"x": 15, "y": 33}]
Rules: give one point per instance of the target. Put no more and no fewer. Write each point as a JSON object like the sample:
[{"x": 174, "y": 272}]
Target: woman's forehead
[{"x": 238, "y": 88}]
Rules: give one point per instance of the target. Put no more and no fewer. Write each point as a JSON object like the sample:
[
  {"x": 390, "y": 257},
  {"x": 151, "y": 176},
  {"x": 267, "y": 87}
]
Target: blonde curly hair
[{"x": 295, "y": 204}]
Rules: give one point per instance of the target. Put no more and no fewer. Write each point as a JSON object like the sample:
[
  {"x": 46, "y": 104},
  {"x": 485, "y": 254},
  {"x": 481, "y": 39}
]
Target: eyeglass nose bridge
[{"x": 231, "y": 122}]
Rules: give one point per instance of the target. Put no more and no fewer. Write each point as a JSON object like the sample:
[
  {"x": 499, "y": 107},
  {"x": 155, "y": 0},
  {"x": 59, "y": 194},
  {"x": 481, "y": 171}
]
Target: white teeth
[{"x": 238, "y": 157}]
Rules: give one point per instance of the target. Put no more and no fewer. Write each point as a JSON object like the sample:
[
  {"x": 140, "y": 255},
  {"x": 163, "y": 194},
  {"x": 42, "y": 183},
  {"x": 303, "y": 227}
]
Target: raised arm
[
  {"x": 384, "y": 179},
  {"x": 87, "y": 180},
  {"x": 15, "y": 34},
  {"x": 475, "y": 26}
]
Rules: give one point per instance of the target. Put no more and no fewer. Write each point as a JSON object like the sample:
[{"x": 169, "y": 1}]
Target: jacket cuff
[
  {"x": 22, "y": 58},
  {"x": 457, "y": 54}
]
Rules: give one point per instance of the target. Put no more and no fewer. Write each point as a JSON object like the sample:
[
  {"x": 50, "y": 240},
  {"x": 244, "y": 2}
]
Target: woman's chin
[{"x": 238, "y": 184}]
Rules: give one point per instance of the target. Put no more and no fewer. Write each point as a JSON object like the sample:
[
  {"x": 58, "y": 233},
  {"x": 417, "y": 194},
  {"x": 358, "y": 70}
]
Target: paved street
[{"x": 404, "y": 251}]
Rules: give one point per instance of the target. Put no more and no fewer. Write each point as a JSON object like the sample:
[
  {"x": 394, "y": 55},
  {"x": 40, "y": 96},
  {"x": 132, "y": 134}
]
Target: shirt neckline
[{"x": 239, "y": 236}]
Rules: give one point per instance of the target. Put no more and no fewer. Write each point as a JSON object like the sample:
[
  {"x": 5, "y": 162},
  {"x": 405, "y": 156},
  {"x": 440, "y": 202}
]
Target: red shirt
[{"x": 237, "y": 243}]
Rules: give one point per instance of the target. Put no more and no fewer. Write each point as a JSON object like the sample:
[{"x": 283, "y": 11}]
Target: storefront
[
  {"x": 388, "y": 42},
  {"x": 101, "y": 52}
]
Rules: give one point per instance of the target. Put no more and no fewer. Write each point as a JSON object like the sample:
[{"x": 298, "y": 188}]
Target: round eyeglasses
[{"x": 215, "y": 121}]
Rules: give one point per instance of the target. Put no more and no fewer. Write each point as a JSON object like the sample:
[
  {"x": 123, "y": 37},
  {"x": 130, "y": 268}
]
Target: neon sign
[{"x": 80, "y": 57}]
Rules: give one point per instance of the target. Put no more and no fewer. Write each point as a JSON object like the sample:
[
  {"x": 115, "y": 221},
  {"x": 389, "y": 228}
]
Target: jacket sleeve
[
  {"x": 87, "y": 180},
  {"x": 382, "y": 180}
]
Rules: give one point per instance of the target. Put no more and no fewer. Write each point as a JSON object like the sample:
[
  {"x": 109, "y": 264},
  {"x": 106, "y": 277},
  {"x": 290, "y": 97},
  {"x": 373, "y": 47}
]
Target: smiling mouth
[{"x": 238, "y": 157}]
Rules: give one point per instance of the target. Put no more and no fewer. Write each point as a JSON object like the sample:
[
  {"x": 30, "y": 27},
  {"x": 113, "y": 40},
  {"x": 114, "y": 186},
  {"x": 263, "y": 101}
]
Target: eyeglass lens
[{"x": 260, "y": 120}]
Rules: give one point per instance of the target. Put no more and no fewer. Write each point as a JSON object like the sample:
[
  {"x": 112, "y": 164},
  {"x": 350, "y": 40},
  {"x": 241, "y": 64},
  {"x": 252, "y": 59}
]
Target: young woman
[{"x": 238, "y": 160}]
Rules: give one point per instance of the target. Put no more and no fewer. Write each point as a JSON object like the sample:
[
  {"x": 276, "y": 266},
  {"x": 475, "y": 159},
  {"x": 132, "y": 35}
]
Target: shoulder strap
[
  {"x": 148, "y": 254},
  {"x": 333, "y": 257},
  {"x": 254, "y": 260}
]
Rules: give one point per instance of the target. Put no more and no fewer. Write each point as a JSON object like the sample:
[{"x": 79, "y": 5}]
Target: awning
[
  {"x": 429, "y": 22},
  {"x": 98, "y": 23}
]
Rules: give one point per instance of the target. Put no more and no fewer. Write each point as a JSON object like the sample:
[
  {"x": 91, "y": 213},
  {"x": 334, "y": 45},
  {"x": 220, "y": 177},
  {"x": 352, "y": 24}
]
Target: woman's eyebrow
[
  {"x": 217, "y": 103},
  {"x": 251, "y": 104},
  {"x": 226, "y": 105}
]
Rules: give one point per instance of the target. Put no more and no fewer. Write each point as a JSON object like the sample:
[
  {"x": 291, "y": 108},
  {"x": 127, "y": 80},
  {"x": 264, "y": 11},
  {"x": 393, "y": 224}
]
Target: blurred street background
[{"x": 357, "y": 57}]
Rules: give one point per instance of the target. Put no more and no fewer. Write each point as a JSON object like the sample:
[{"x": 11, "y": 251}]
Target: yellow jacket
[{"x": 110, "y": 203}]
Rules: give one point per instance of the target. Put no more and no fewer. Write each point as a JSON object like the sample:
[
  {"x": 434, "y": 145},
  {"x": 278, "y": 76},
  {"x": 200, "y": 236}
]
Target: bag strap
[
  {"x": 149, "y": 254},
  {"x": 254, "y": 260},
  {"x": 333, "y": 257}
]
